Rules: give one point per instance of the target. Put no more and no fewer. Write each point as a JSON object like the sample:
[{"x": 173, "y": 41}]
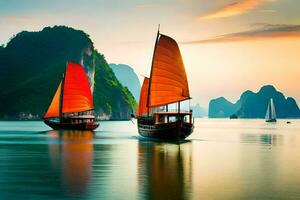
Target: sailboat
[
  {"x": 271, "y": 113},
  {"x": 72, "y": 104},
  {"x": 166, "y": 85}
]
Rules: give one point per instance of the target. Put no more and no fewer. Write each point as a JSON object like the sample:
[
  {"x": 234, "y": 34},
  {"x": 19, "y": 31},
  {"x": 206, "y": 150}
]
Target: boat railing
[{"x": 174, "y": 111}]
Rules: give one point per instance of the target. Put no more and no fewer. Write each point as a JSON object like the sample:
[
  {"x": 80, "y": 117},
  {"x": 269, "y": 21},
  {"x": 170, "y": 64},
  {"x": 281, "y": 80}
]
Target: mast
[
  {"x": 167, "y": 109},
  {"x": 149, "y": 87},
  {"x": 62, "y": 95}
]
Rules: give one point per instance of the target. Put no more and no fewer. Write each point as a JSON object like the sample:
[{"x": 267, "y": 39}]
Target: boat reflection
[
  {"x": 72, "y": 153},
  {"x": 271, "y": 139},
  {"x": 263, "y": 139},
  {"x": 164, "y": 170}
]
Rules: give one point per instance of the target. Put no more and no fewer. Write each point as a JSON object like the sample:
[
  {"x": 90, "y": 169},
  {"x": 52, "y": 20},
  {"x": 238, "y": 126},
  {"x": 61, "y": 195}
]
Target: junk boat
[
  {"x": 72, "y": 104},
  {"x": 166, "y": 85}
]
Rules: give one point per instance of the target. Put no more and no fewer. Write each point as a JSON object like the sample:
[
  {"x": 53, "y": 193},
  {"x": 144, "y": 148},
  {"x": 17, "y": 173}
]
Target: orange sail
[
  {"x": 77, "y": 96},
  {"x": 53, "y": 110},
  {"x": 168, "y": 77},
  {"x": 143, "y": 109}
]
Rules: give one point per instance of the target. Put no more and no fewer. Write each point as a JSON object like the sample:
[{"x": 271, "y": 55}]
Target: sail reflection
[
  {"x": 271, "y": 139},
  {"x": 72, "y": 153},
  {"x": 164, "y": 170},
  {"x": 263, "y": 139}
]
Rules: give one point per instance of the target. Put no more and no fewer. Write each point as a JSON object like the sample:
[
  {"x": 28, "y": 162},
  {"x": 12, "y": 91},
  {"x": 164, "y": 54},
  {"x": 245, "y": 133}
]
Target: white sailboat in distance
[{"x": 271, "y": 113}]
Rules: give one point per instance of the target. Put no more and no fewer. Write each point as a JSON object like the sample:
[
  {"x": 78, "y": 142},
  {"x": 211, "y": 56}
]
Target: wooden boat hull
[
  {"x": 271, "y": 120},
  {"x": 74, "y": 126},
  {"x": 170, "y": 131}
]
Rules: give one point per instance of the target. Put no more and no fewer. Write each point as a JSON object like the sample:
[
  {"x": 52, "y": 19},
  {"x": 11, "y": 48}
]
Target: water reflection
[
  {"x": 72, "y": 153},
  {"x": 271, "y": 139},
  {"x": 263, "y": 139},
  {"x": 164, "y": 170},
  {"x": 238, "y": 162}
]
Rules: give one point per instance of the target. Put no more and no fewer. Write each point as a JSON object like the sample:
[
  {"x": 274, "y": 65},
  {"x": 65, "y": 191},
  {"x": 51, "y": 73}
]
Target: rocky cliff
[
  {"x": 32, "y": 64},
  {"x": 254, "y": 105},
  {"x": 127, "y": 77}
]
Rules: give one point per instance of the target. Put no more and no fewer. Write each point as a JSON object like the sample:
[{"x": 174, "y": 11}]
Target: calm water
[{"x": 223, "y": 159}]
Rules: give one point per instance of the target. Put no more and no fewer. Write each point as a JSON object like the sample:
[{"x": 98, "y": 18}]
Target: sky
[{"x": 228, "y": 46}]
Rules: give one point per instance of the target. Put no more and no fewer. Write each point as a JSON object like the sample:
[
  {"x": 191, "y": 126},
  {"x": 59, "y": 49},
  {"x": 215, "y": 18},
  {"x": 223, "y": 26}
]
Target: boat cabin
[
  {"x": 169, "y": 117},
  {"x": 79, "y": 119}
]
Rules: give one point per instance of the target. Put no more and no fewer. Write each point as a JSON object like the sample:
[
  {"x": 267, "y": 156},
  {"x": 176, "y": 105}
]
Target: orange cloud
[
  {"x": 267, "y": 31},
  {"x": 233, "y": 9}
]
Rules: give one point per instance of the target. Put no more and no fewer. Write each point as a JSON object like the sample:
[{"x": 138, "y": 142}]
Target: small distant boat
[
  {"x": 72, "y": 104},
  {"x": 271, "y": 113},
  {"x": 234, "y": 116},
  {"x": 166, "y": 85}
]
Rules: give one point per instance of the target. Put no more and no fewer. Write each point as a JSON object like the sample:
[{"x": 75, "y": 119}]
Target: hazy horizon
[{"x": 228, "y": 46}]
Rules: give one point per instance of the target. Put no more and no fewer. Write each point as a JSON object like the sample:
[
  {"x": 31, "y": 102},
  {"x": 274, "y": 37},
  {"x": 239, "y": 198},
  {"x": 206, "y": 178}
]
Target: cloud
[
  {"x": 133, "y": 42},
  {"x": 267, "y": 11},
  {"x": 149, "y": 5},
  {"x": 233, "y": 9},
  {"x": 264, "y": 31},
  {"x": 16, "y": 19}
]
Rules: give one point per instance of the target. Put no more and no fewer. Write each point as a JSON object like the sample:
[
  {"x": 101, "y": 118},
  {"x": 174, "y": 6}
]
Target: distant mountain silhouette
[
  {"x": 254, "y": 105},
  {"x": 221, "y": 107},
  {"x": 199, "y": 111},
  {"x": 126, "y": 75}
]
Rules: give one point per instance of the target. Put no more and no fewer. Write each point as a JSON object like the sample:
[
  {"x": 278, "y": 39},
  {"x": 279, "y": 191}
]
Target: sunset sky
[{"x": 228, "y": 46}]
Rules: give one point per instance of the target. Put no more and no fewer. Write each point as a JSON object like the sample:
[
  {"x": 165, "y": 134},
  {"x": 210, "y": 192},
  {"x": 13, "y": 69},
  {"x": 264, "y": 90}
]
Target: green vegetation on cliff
[
  {"x": 31, "y": 66},
  {"x": 126, "y": 75},
  {"x": 112, "y": 97}
]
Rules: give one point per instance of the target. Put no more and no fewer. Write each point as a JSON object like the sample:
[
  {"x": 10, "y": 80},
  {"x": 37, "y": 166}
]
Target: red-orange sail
[
  {"x": 53, "y": 110},
  {"x": 77, "y": 96},
  {"x": 168, "y": 77},
  {"x": 143, "y": 109}
]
